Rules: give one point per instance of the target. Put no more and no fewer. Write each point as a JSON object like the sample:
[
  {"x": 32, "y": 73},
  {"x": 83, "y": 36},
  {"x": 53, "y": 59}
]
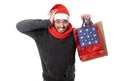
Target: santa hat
[{"x": 62, "y": 12}]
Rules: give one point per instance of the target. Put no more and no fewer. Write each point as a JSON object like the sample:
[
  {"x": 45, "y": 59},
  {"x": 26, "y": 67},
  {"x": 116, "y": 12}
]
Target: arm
[
  {"x": 32, "y": 24},
  {"x": 33, "y": 27}
]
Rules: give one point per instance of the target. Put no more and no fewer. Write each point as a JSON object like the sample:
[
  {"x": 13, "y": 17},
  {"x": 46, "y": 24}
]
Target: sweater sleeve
[{"x": 32, "y": 26}]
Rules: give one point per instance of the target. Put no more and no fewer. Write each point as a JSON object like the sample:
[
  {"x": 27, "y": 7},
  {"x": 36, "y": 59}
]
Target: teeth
[{"x": 60, "y": 28}]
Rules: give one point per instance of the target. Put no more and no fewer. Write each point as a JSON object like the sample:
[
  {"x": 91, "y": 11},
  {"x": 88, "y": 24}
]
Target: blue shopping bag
[{"x": 87, "y": 35}]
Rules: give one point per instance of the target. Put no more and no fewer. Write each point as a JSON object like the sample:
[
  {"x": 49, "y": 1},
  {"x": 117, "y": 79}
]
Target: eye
[{"x": 65, "y": 21}]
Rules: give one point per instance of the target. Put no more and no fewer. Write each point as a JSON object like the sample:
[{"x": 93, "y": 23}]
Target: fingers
[
  {"x": 52, "y": 13},
  {"x": 86, "y": 17}
]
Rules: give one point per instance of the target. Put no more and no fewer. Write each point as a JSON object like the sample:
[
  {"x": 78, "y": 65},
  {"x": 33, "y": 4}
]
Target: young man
[{"x": 55, "y": 41}]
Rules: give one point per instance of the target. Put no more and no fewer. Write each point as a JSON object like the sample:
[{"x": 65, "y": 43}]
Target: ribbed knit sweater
[{"x": 57, "y": 56}]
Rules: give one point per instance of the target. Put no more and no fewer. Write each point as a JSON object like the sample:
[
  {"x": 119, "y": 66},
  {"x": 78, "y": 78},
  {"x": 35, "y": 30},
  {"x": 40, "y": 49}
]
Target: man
[{"x": 55, "y": 41}]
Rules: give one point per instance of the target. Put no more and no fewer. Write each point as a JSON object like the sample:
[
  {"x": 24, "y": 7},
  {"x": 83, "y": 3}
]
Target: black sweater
[{"x": 57, "y": 56}]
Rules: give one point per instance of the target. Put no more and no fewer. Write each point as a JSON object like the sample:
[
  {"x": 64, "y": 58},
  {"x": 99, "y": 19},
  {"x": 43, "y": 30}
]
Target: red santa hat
[{"x": 62, "y": 12}]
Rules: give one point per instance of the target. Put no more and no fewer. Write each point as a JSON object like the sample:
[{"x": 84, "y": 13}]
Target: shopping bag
[{"x": 90, "y": 41}]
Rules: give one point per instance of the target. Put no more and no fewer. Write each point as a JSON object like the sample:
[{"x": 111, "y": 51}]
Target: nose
[{"x": 61, "y": 24}]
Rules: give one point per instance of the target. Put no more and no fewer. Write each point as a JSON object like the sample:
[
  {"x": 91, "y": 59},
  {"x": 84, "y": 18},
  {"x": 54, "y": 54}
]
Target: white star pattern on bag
[{"x": 87, "y": 36}]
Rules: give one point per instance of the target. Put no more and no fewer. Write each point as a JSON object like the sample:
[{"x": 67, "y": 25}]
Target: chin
[{"x": 61, "y": 32}]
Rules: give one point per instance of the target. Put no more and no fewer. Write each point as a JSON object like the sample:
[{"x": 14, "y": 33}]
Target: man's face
[{"x": 61, "y": 25}]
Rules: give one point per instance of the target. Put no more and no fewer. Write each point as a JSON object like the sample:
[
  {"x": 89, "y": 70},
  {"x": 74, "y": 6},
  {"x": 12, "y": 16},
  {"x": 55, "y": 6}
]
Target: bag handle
[{"x": 89, "y": 23}]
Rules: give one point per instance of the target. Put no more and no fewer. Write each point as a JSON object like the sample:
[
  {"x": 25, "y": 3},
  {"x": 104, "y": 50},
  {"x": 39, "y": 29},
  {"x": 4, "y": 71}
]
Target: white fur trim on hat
[{"x": 61, "y": 16}]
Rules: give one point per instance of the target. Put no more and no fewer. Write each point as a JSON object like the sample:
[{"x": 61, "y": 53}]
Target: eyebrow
[{"x": 60, "y": 20}]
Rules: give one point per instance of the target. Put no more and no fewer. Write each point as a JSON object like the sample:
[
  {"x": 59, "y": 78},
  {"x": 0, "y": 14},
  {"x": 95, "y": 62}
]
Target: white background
[{"x": 19, "y": 57}]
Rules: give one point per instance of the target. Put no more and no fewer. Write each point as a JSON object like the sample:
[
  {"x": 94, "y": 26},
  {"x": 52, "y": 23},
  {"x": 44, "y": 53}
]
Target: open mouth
[{"x": 61, "y": 29}]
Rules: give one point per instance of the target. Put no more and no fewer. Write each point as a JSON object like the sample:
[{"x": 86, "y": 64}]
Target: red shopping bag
[{"x": 90, "y": 41}]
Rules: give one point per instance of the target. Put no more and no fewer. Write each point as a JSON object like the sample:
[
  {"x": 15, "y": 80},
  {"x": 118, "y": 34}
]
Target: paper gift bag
[{"x": 90, "y": 41}]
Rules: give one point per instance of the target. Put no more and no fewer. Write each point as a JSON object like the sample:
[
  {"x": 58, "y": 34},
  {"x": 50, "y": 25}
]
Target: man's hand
[
  {"x": 52, "y": 13},
  {"x": 86, "y": 17}
]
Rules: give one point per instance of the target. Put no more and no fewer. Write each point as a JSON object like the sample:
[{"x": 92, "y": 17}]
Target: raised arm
[
  {"x": 32, "y": 27},
  {"x": 32, "y": 24}
]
